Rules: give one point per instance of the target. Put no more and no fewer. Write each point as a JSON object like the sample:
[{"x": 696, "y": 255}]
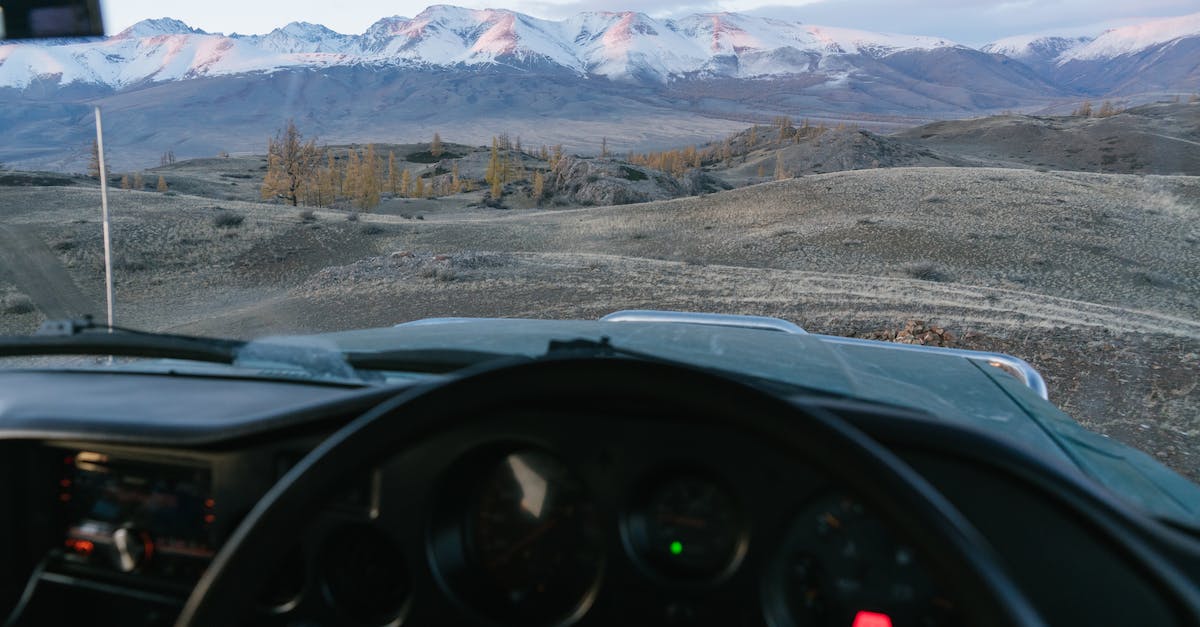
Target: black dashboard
[{"x": 110, "y": 518}]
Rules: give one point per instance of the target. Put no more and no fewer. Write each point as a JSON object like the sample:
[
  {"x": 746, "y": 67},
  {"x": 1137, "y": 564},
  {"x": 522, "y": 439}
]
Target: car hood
[{"x": 950, "y": 386}]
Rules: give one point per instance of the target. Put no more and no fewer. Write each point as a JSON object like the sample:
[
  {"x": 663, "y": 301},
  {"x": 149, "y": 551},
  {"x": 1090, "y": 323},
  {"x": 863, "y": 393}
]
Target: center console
[{"x": 138, "y": 516}]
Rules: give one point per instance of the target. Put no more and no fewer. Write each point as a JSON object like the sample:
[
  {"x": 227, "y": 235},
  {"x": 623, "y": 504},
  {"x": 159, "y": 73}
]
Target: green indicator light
[{"x": 676, "y": 547}]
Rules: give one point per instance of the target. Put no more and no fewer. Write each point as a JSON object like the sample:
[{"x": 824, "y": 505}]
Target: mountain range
[{"x": 650, "y": 81}]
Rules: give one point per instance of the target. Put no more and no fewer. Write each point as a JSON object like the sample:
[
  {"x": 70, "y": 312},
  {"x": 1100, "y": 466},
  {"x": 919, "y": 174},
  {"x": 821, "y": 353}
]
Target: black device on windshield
[{"x": 43, "y": 19}]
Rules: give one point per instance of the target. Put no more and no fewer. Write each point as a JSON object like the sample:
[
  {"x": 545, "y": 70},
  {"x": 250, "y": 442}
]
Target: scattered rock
[
  {"x": 914, "y": 332},
  {"x": 611, "y": 182}
]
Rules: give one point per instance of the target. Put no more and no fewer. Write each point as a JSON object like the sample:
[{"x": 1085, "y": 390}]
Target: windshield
[{"x": 1019, "y": 178}]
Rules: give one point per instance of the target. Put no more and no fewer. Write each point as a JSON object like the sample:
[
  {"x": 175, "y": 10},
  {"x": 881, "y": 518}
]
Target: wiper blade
[{"x": 85, "y": 337}]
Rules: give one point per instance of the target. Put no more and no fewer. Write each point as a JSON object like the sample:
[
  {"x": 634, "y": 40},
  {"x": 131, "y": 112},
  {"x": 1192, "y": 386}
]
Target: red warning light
[
  {"x": 872, "y": 619},
  {"x": 82, "y": 547},
  {"x": 209, "y": 518},
  {"x": 148, "y": 544}
]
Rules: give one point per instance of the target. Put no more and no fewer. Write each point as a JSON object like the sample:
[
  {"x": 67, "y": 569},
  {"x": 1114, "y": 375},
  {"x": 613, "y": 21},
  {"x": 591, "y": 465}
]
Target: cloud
[{"x": 975, "y": 22}]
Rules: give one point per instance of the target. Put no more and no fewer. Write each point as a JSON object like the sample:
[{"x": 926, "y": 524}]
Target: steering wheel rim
[{"x": 902, "y": 498}]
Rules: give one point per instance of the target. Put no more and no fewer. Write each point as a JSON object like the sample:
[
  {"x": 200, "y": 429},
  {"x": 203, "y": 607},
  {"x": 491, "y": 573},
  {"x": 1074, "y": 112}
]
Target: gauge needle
[
  {"x": 524, "y": 542},
  {"x": 685, "y": 521}
]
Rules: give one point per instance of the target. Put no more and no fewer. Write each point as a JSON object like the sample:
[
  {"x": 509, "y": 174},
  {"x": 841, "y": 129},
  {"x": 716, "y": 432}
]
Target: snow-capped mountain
[
  {"x": 1035, "y": 48},
  {"x": 1108, "y": 45},
  {"x": 626, "y": 45},
  {"x": 618, "y": 45},
  {"x": 1154, "y": 56},
  {"x": 157, "y": 27},
  {"x": 654, "y": 82},
  {"x": 302, "y": 37},
  {"x": 1134, "y": 39}
]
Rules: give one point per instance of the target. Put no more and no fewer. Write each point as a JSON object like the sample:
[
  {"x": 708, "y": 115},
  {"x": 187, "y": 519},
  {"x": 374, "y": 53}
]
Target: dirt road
[{"x": 27, "y": 262}]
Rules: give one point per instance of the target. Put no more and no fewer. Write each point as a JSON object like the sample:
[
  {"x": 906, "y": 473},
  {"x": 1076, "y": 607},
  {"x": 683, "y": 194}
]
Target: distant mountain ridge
[
  {"x": 1157, "y": 55},
  {"x": 1035, "y": 48},
  {"x": 641, "y": 82},
  {"x": 627, "y": 46},
  {"x": 617, "y": 45}
]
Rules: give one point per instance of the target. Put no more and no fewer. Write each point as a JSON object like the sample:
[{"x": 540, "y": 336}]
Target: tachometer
[
  {"x": 842, "y": 566},
  {"x": 687, "y": 528},
  {"x": 533, "y": 537}
]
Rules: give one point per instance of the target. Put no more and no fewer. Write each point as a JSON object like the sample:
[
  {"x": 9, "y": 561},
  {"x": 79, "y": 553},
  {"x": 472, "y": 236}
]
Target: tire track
[{"x": 28, "y": 263}]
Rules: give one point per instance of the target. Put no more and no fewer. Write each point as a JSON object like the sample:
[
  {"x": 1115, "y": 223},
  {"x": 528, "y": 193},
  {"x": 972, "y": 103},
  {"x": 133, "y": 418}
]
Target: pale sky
[{"x": 970, "y": 22}]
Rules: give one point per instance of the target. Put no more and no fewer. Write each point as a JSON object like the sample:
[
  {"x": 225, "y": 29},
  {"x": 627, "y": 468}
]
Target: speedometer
[
  {"x": 840, "y": 565},
  {"x": 687, "y": 528},
  {"x": 533, "y": 537}
]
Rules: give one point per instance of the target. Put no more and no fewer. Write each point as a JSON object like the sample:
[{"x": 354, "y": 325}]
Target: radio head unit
[{"x": 137, "y": 516}]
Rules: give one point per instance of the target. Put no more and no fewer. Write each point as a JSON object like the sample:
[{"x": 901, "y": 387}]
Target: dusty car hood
[{"x": 949, "y": 387}]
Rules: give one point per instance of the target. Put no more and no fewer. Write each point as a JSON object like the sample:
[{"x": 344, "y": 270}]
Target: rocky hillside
[{"x": 1161, "y": 138}]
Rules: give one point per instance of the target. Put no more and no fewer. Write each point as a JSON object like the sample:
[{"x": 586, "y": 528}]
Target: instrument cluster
[
  {"x": 530, "y": 542},
  {"x": 521, "y": 532}
]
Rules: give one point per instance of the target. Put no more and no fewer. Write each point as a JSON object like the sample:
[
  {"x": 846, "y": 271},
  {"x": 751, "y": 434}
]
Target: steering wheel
[{"x": 949, "y": 545}]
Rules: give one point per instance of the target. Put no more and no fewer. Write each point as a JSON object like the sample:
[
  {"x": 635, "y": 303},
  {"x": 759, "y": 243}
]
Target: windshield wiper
[{"x": 86, "y": 337}]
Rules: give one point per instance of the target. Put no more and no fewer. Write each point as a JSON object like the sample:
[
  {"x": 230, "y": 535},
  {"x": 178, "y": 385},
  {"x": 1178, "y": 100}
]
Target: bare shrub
[
  {"x": 353, "y": 217},
  {"x": 372, "y": 229},
  {"x": 227, "y": 220},
  {"x": 439, "y": 273},
  {"x": 1153, "y": 279},
  {"x": 1166, "y": 203},
  {"x": 17, "y": 304},
  {"x": 927, "y": 271}
]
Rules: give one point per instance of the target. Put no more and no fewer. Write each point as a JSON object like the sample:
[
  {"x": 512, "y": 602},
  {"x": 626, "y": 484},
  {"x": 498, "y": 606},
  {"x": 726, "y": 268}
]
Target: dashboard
[{"x": 530, "y": 518}]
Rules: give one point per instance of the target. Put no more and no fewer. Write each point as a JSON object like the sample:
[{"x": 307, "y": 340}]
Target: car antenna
[{"x": 108, "y": 279}]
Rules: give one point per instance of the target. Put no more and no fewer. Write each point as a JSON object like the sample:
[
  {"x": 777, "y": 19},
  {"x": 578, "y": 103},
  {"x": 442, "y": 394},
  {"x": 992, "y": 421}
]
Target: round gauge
[
  {"x": 688, "y": 528},
  {"x": 842, "y": 566},
  {"x": 363, "y": 575},
  {"x": 533, "y": 536}
]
